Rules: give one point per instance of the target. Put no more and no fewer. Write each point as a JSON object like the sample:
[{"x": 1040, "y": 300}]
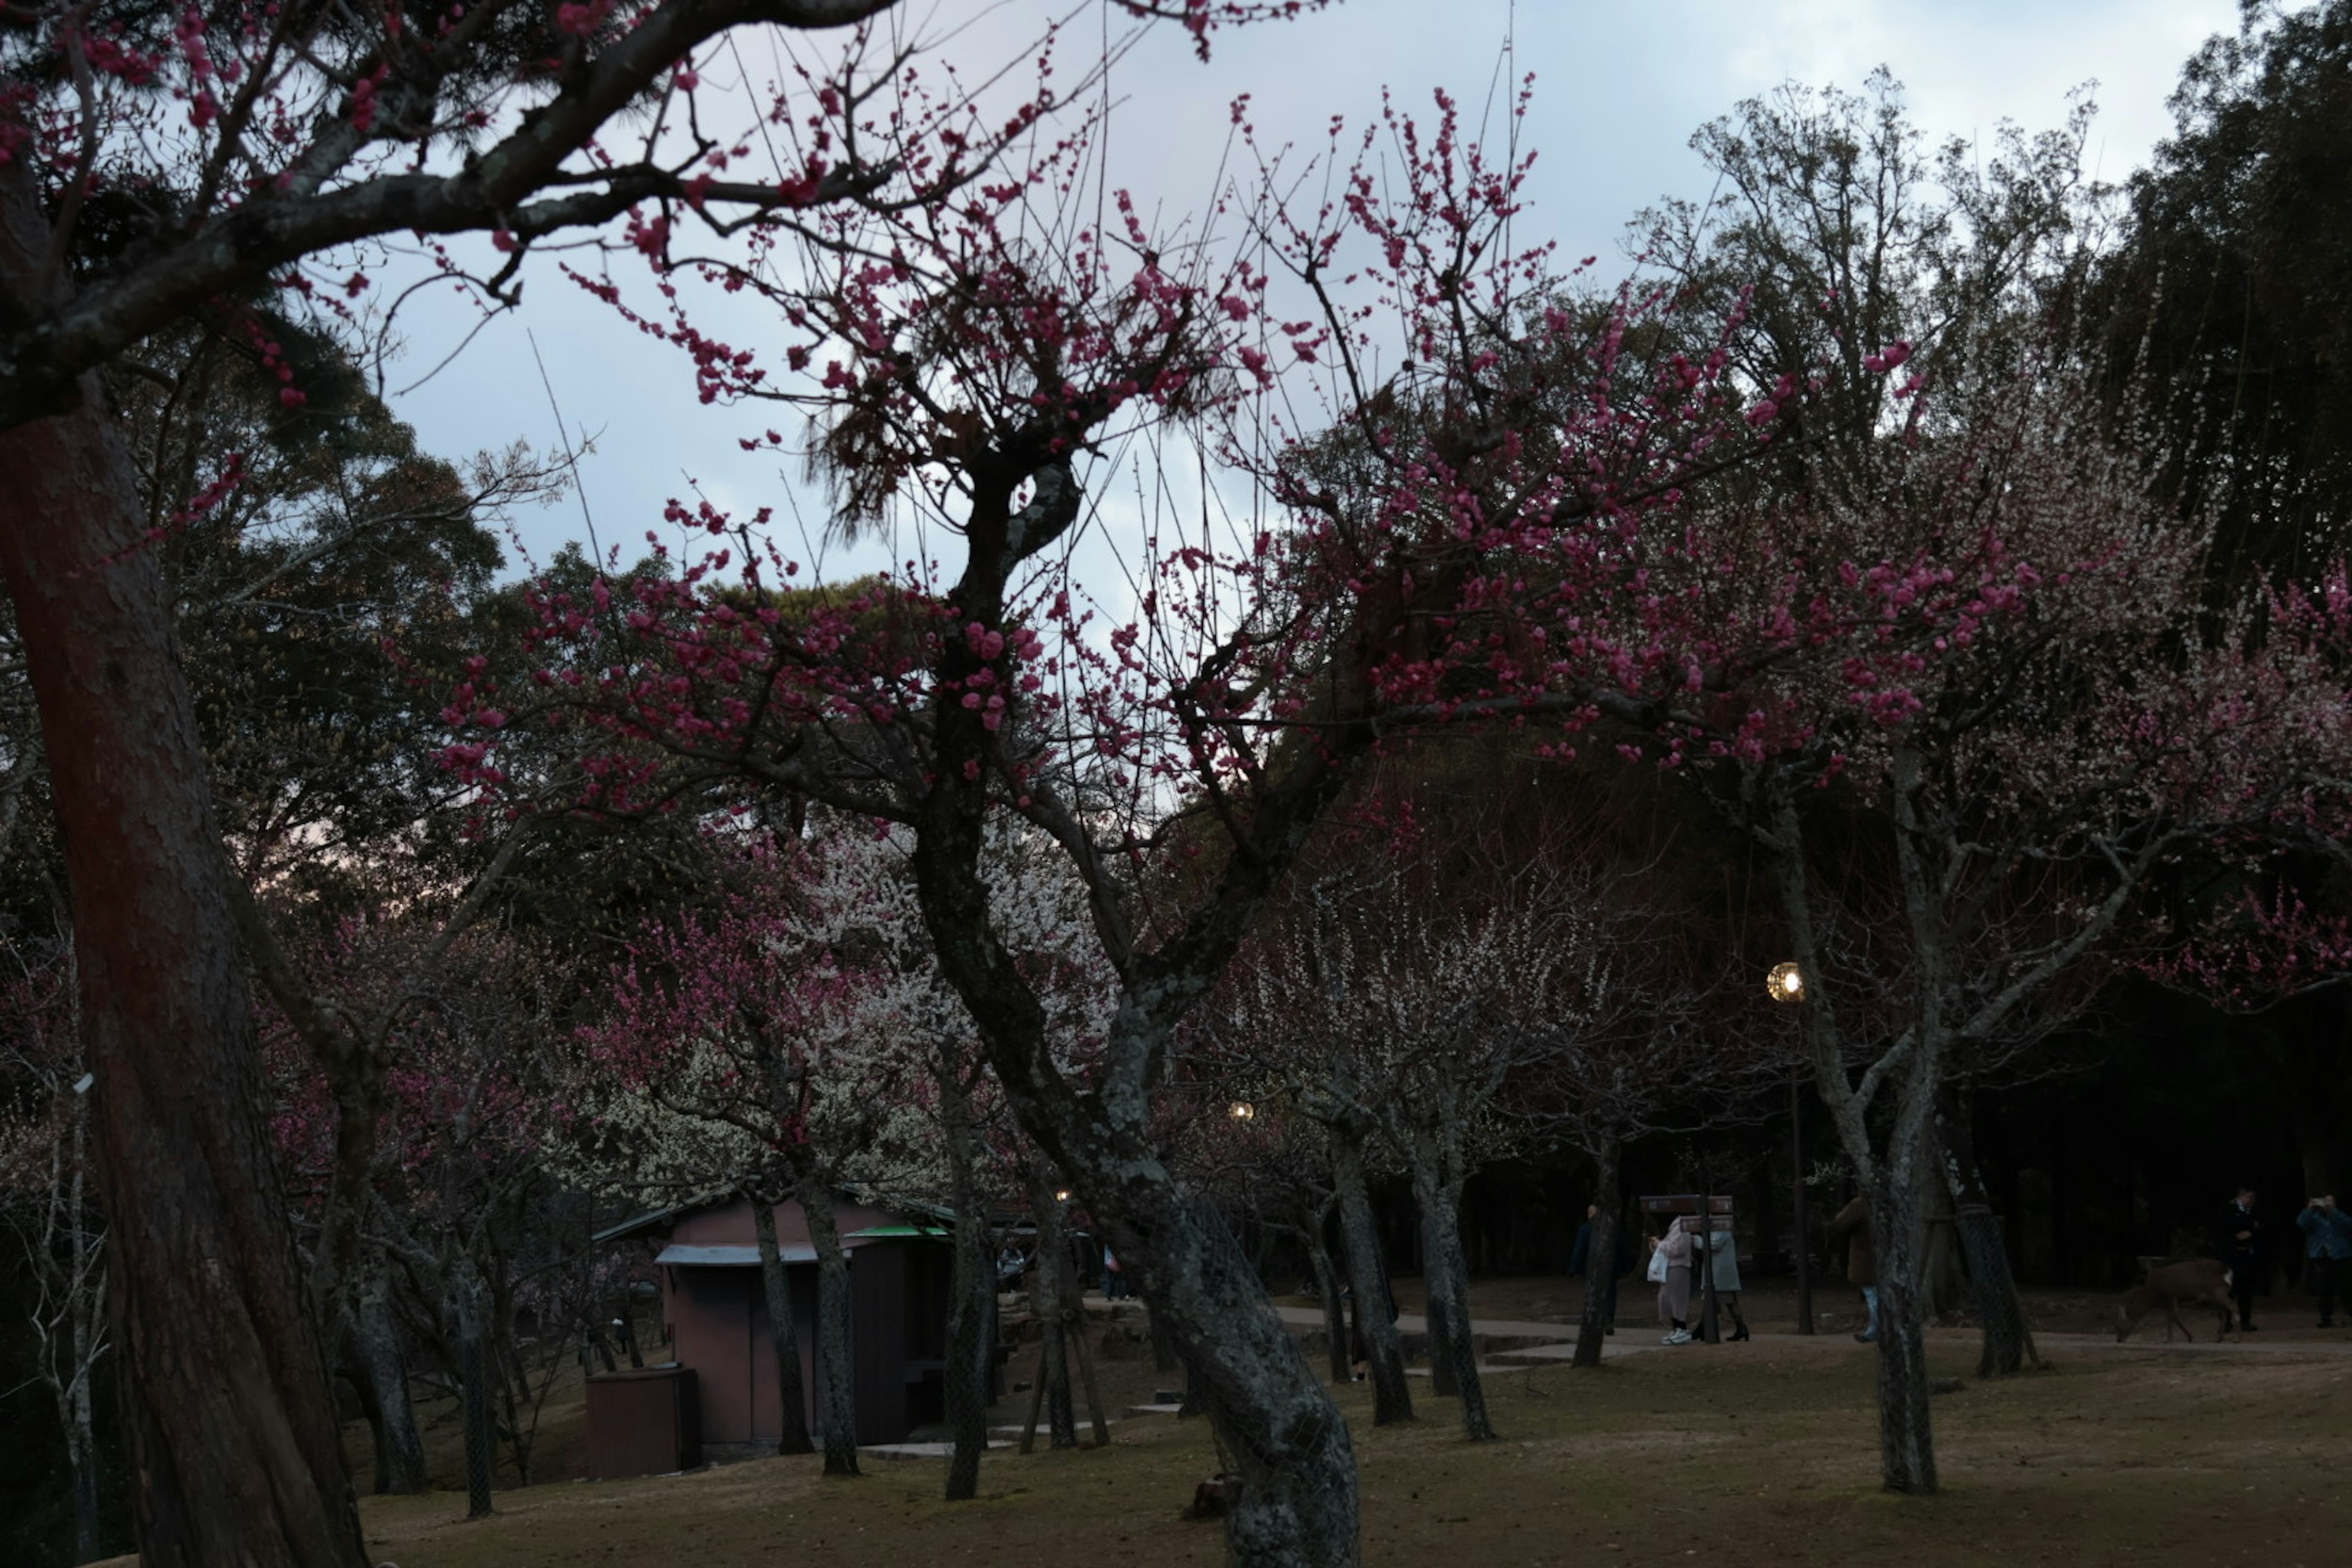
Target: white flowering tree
[{"x": 794, "y": 1038}]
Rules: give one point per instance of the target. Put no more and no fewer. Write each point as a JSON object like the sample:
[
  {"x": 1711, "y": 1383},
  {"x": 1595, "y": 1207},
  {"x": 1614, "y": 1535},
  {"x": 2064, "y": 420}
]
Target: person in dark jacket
[
  {"x": 1852, "y": 1225},
  {"x": 2327, "y": 1250},
  {"x": 2238, "y": 1238}
]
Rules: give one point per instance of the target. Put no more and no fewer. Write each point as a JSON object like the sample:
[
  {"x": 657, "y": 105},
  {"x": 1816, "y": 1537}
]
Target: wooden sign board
[{"x": 1719, "y": 1208}]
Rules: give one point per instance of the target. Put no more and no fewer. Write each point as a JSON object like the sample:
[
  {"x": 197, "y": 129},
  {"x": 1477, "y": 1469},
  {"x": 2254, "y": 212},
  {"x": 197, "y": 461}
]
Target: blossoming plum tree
[
  {"x": 156, "y": 166},
  {"x": 796, "y": 1038},
  {"x": 1992, "y": 655},
  {"x": 969, "y": 364}
]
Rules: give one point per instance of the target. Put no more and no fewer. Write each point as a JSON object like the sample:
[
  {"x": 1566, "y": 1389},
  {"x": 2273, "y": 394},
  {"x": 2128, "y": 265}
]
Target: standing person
[
  {"x": 2327, "y": 1248},
  {"x": 1852, "y": 1227},
  {"x": 1114, "y": 1282},
  {"x": 1675, "y": 1292},
  {"x": 1723, "y": 1272},
  {"x": 2240, "y": 1235}
]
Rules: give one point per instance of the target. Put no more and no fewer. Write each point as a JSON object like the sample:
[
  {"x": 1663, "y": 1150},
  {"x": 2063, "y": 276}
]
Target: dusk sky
[{"x": 1619, "y": 90}]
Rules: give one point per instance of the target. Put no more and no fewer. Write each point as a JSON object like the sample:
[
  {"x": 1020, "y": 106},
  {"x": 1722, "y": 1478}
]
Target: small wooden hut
[{"x": 708, "y": 1267}]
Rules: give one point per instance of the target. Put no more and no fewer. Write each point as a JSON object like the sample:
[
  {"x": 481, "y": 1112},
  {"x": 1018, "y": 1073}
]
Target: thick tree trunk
[
  {"x": 783, "y": 1333},
  {"x": 971, "y": 1303},
  {"x": 1907, "y": 1441},
  {"x": 1905, "y": 1431},
  {"x": 1296, "y": 1507},
  {"x": 1447, "y": 1275},
  {"x": 1368, "y": 1278},
  {"x": 834, "y": 1362},
  {"x": 399, "y": 1448},
  {"x": 231, "y": 1428},
  {"x": 1600, "y": 1258},
  {"x": 1327, "y": 1289}
]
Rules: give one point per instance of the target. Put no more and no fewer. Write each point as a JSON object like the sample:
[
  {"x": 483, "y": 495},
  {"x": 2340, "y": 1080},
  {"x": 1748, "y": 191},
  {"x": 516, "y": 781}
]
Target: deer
[{"x": 2171, "y": 1286}]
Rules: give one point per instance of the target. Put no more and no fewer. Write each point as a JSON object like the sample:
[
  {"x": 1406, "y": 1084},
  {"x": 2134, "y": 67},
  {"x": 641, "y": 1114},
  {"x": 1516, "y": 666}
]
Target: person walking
[
  {"x": 2327, "y": 1250},
  {"x": 1674, "y": 1290},
  {"x": 2239, "y": 1239},
  {"x": 1851, "y": 1226}
]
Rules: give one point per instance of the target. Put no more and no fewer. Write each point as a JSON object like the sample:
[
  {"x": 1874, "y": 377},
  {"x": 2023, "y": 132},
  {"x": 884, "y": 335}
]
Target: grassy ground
[
  {"x": 1741, "y": 1454},
  {"x": 1756, "y": 1454}
]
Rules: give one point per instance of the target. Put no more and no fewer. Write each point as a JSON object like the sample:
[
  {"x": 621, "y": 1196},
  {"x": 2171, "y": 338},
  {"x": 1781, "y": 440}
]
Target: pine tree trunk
[
  {"x": 836, "y": 1366},
  {"x": 784, "y": 1332},
  {"x": 1600, "y": 1258},
  {"x": 1368, "y": 1278},
  {"x": 400, "y": 1449},
  {"x": 230, "y": 1425},
  {"x": 1452, "y": 1345}
]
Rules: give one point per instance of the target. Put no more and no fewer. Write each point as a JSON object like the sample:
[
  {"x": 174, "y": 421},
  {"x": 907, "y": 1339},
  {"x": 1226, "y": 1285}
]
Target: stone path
[
  {"x": 1552, "y": 1343},
  {"x": 915, "y": 1450}
]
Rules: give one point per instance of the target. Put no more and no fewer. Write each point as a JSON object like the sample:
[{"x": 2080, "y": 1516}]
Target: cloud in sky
[{"x": 1620, "y": 88}]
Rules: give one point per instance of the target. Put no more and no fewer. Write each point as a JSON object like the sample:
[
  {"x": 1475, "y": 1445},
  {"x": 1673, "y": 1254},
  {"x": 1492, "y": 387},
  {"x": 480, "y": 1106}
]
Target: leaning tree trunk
[
  {"x": 1447, "y": 1274},
  {"x": 1296, "y": 1506},
  {"x": 399, "y": 1450},
  {"x": 971, "y": 1300},
  {"x": 231, "y": 1430},
  {"x": 1991, "y": 1284},
  {"x": 784, "y": 1332},
  {"x": 1368, "y": 1278},
  {"x": 1326, "y": 1291},
  {"x": 834, "y": 1362},
  {"x": 1045, "y": 1304},
  {"x": 1296, "y": 1501},
  {"x": 1599, "y": 1257},
  {"x": 1906, "y": 1432}
]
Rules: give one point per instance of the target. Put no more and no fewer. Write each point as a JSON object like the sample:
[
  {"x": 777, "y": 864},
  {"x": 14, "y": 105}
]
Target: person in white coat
[
  {"x": 1722, "y": 1252},
  {"x": 1674, "y": 1248}
]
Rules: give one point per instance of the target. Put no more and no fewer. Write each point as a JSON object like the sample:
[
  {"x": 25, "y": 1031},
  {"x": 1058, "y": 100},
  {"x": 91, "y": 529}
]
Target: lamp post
[{"x": 1786, "y": 985}]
